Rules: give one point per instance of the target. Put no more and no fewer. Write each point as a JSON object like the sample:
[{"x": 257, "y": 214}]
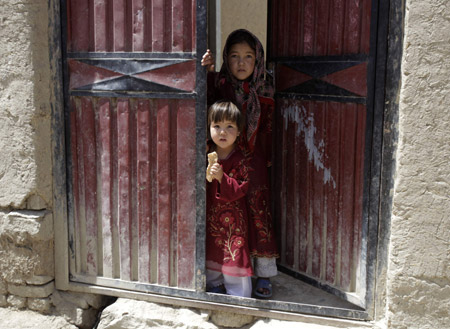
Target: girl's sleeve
[
  {"x": 218, "y": 90},
  {"x": 234, "y": 184},
  {"x": 231, "y": 189}
]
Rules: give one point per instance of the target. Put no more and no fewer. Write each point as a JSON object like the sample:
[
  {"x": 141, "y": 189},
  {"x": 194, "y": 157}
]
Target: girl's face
[
  {"x": 241, "y": 60},
  {"x": 224, "y": 134}
]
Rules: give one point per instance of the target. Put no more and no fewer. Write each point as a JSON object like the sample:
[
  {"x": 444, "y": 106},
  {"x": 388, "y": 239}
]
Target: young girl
[
  {"x": 242, "y": 81},
  {"x": 228, "y": 263}
]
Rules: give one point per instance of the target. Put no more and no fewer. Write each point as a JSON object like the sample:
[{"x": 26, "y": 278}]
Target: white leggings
[
  {"x": 234, "y": 285},
  {"x": 265, "y": 267}
]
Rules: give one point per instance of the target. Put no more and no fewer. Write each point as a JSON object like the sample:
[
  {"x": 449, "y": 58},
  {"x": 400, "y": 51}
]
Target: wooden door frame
[
  {"x": 385, "y": 134},
  {"x": 386, "y": 104}
]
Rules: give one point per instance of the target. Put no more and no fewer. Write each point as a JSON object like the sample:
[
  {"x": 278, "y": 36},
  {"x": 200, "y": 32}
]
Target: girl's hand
[
  {"x": 208, "y": 61},
  {"x": 217, "y": 172}
]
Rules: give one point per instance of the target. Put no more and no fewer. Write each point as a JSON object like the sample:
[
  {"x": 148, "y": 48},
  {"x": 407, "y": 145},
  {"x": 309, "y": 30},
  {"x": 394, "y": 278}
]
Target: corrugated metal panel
[
  {"x": 319, "y": 188},
  {"x": 131, "y": 26},
  {"x": 132, "y": 97},
  {"x": 321, "y": 49},
  {"x": 320, "y": 27},
  {"x": 133, "y": 169}
]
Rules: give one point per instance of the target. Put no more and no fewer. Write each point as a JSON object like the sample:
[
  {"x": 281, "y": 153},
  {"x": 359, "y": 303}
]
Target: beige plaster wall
[
  {"x": 26, "y": 221},
  {"x": 25, "y": 157},
  {"x": 418, "y": 273}
]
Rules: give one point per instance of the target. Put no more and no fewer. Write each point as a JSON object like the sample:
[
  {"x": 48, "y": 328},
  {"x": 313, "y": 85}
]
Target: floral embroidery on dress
[
  {"x": 260, "y": 213},
  {"x": 227, "y": 220},
  {"x": 228, "y": 229}
]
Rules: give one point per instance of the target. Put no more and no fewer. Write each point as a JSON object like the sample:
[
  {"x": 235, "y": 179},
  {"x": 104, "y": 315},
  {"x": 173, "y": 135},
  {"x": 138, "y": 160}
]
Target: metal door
[
  {"x": 135, "y": 123},
  {"x": 322, "y": 56}
]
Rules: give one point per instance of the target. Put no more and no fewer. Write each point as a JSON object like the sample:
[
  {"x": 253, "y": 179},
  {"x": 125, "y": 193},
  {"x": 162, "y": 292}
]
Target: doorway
[
  {"x": 321, "y": 56},
  {"x": 133, "y": 82}
]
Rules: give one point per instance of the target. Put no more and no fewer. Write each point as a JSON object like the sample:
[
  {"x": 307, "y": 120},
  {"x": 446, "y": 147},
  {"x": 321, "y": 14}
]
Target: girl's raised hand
[
  {"x": 217, "y": 172},
  {"x": 208, "y": 61}
]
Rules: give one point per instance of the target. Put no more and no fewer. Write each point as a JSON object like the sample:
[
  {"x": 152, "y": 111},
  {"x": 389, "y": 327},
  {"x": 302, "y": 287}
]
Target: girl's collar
[{"x": 228, "y": 155}]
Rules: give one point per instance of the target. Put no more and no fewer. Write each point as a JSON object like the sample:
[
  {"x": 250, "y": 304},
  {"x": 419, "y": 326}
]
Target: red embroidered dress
[{"x": 227, "y": 249}]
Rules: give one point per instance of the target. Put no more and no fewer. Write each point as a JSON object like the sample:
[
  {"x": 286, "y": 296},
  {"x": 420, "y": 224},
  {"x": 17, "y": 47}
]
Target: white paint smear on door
[{"x": 305, "y": 125}]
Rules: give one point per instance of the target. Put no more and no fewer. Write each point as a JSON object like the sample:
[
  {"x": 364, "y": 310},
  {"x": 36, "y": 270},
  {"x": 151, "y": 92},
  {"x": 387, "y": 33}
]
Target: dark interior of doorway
[{"x": 286, "y": 287}]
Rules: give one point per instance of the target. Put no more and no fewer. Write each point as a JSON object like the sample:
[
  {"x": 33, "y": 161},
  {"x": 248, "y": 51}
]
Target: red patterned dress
[
  {"x": 258, "y": 151},
  {"x": 227, "y": 248}
]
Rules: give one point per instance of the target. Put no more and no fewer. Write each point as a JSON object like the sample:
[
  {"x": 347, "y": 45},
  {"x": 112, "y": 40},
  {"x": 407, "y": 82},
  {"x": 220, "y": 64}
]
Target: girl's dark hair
[
  {"x": 225, "y": 110},
  {"x": 240, "y": 36}
]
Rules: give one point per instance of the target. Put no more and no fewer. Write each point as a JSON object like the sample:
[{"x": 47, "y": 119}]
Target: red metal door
[
  {"x": 134, "y": 114},
  {"x": 321, "y": 52}
]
